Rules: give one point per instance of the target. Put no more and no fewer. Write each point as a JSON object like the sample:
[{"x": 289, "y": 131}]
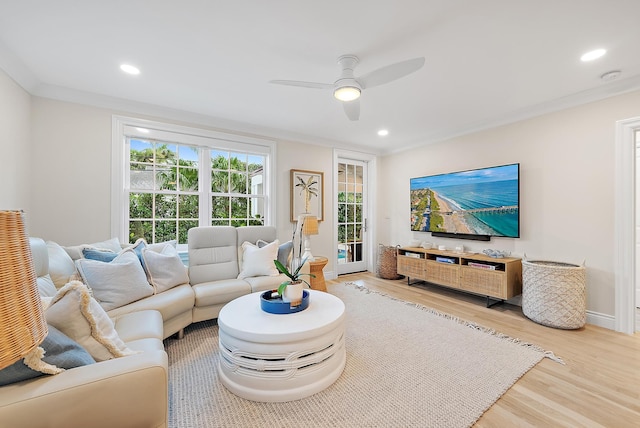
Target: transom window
[{"x": 175, "y": 178}]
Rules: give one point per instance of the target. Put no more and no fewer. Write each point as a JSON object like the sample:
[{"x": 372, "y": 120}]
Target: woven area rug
[{"x": 407, "y": 365}]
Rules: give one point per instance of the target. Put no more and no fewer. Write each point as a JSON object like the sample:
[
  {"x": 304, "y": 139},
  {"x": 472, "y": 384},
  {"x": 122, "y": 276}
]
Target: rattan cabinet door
[
  {"x": 486, "y": 282},
  {"x": 443, "y": 273},
  {"x": 411, "y": 267}
]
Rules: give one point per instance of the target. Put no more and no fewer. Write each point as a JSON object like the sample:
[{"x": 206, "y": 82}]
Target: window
[
  {"x": 168, "y": 179},
  {"x": 163, "y": 190},
  {"x": 237, "y": 192}
]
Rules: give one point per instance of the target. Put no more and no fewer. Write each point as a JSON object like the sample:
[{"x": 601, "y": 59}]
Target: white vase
[{"x": 293, "y": 293}]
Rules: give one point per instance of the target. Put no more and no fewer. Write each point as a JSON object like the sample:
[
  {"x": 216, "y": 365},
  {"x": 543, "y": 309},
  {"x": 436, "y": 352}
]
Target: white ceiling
[{"x": 488, "y": 62}]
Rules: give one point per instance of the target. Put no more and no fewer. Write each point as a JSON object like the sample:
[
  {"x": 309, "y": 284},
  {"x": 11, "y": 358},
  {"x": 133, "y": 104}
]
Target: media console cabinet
[{"x": 496, "y": 278}]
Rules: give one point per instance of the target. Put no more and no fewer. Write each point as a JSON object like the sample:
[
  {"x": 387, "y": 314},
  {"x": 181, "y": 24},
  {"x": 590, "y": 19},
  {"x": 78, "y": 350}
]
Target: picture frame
[{"x": 307, "y": 193}]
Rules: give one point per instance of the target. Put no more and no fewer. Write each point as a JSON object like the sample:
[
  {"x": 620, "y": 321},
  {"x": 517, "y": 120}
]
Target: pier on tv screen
[{"x": 477, "y": 202}]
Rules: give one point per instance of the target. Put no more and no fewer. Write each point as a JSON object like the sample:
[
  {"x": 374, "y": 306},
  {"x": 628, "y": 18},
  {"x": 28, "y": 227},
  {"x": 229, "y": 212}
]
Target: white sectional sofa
[{"x": 132, "y": 390}]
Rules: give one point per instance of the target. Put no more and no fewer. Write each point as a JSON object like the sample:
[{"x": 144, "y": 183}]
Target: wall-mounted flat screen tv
[{"x": 476, "y": 203}]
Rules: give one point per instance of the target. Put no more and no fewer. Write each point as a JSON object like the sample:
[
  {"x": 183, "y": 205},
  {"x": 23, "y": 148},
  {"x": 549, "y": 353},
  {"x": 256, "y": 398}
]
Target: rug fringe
[{"x": 547, "y": 354}]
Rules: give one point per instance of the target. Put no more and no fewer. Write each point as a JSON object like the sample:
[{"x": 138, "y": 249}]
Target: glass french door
[{"x": 352, "y": 245}]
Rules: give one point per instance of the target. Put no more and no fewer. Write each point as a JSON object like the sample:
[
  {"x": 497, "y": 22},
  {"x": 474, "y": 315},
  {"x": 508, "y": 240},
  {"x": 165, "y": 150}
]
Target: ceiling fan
[{"x": 348, "y": 87}]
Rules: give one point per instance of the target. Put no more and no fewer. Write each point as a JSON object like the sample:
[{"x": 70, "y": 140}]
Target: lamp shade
[
  {"x": 22, "y": 323},
  {"x": 310, "y": 225}
]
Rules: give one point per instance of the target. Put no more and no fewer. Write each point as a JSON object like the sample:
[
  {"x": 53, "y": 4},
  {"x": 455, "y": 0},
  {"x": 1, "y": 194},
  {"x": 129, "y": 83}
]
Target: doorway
[
  {"x": 625, "y": 263},
  {"x": 352, "y": 216},
  {"x": 637, "y": 220},
  {"x": 353, "y": 200}
]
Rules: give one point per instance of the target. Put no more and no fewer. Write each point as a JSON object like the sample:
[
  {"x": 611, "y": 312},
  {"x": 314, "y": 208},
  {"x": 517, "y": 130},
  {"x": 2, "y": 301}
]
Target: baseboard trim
[
  {"x": 601, "y": 320},
  {"x": 593, "y": 318}
]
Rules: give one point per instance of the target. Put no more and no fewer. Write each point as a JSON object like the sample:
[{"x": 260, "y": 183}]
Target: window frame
[{"x": 124, "y": 127}]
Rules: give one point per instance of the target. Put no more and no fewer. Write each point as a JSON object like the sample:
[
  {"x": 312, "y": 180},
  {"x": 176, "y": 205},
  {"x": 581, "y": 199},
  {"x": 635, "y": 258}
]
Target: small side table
[{"x": 315, "y": 268}]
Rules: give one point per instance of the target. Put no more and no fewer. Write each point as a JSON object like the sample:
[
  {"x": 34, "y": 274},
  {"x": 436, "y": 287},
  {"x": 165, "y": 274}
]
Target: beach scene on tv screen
[{"x": 478, "y": 202}]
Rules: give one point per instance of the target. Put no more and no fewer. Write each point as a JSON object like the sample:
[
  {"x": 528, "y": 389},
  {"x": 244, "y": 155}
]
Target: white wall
[
  {"x": 15, "y": 146},
  {"x": 72, "y": 175},
  {"x": 567, "y": 177},
  {"x": 72, "y": 172},
  {"x": 312, "y": 158}
]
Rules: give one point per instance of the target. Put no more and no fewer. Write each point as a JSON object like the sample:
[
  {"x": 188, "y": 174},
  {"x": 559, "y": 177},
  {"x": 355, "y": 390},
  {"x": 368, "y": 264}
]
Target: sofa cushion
[
  {"x": 284, "y": 251},
  {"x": 253, "y": 233},
  {"x": 219, "y": 292},
  {"x": 106, "y": 255},
  {"x": 62, "y": 269},
  {"x": 41, "y": 266},
  {"x": 164, "y": 267},
  {"x": 75, "y": 252},
  {"x": 258, "y": 261},
  {"x": 118, "y": 282},
  {"x": 213, "y": 253},
  {"x": 264, "y": 283},
  {"x": 59, "y": 351},
  {"x": 78, "y": 315},
  {"x": 145, "y": 324},
  {"x": 98, "y": 255},
  {"x": 171, "y": 303}
]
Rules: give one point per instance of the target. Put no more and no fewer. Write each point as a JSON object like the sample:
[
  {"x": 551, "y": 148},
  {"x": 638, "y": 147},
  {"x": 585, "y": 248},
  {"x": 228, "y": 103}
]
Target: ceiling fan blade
[
  {"x": 313, "y": 85},
  {"x": 390, "y": 73},
  {"x": 352, "y": 109}
]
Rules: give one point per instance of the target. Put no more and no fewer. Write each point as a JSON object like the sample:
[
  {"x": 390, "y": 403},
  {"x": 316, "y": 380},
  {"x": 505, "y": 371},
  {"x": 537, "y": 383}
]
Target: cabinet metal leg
[
  {"x": 414, "y": 282},
  {"x": 492, "y": 302}
]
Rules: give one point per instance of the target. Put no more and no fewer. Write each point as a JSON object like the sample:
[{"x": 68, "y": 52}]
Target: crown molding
[
  {"x": 17, "y": 70},
  {"x": 608, "y": 90},
  {"x": 224, "y": 125}
]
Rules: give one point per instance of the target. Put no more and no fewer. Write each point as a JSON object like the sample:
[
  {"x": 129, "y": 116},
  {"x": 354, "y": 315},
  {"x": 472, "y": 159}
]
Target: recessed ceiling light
[
  {"x": 595, "y": 54},
  {"x": 130, "y": 69},
  {"x": 383, "y": 132}
]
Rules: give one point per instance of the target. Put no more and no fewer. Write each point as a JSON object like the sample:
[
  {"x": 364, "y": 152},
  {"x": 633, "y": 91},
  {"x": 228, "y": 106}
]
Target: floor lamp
[{"x": 22, "y": 323}]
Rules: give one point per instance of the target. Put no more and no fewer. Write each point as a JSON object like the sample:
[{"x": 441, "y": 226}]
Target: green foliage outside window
[
  {"x": 164, "y": 200},
  {"x": 349, "y": 216}
]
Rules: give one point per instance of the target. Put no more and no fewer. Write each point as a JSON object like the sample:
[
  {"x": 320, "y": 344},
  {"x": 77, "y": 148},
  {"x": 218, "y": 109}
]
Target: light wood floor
[{"x": 598, "y": 387}]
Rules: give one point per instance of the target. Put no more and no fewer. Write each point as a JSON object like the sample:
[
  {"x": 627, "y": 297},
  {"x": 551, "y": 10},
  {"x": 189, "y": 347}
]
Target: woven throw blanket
[{"x": 407, "y": 366}]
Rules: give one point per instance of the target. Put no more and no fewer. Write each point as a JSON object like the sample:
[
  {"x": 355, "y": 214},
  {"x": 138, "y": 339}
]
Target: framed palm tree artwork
[{"x": 307, "y": 193}]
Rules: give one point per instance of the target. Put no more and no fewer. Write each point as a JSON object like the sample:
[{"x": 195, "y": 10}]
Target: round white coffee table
[{"x": 281, "y": 357}]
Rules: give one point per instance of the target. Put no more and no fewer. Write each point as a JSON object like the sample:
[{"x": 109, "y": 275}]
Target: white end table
[{"x": 281, "y": 357}]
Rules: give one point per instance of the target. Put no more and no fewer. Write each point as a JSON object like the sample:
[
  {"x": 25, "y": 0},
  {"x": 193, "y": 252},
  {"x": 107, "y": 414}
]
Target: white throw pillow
[
  {"x": 61, "y": 266},
  {"x": 159, "y": 246},
  {"x": 284, "y": 251},
  {"x": 75, "y": 313},
  {"x": 259, "y": 261},
  {"x": 164, "y": 267},
  {"x": 118, "y": 282}
]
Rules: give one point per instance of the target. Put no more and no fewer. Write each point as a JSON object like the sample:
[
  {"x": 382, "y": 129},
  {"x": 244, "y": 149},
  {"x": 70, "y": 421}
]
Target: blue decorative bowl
[{"x": 271, "y": 302}]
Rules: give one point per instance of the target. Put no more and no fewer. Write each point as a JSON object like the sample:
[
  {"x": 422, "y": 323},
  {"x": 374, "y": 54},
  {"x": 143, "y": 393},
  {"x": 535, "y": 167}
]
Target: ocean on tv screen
[{"x": 467, "y": 203}]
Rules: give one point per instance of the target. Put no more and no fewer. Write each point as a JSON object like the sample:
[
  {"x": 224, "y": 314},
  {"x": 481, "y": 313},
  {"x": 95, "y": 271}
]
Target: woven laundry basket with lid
[{"x": 554, "y": 294}]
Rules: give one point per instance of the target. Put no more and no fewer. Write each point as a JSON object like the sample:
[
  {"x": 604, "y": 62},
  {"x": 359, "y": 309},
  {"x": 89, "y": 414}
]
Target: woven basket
[
  {"x": 387, "y": 267},
  {"x": 554, "y": 294}
]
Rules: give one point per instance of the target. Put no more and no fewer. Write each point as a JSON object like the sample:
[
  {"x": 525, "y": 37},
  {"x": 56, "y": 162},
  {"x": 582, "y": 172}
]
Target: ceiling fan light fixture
[{"x": 347, "y": 93}]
